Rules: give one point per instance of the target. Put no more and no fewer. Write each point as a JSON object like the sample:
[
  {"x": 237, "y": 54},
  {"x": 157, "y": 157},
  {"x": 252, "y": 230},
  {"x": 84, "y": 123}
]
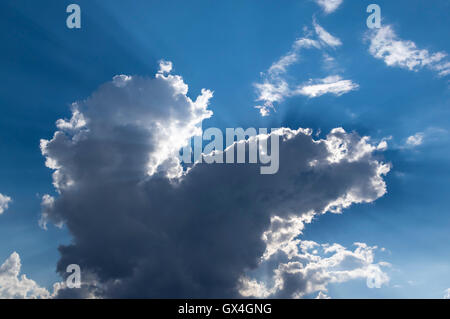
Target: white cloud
[
  {"x": 47, "y": 204},
  {"x": 121, "y": 80},
  {"x": 415, "y": 140},
  {"x": 385, "y": 45},
  {"x": 165, "y": 66},
  {"x": 275, "y": 87},
  {"x": 430, "y": 135},
  {"x": 302, "y": 267},
  {"x": 322, "y": 295},
  {"x": 329, "y": 62},
  {"x": 331, "y": 84},
  {"x": 326, "y": 37},
  {"x": 382, "y": 146},
  {"x": 4, "y": 203},
  {"x": 283, "y": 63},
  {"x": 329, "y": 5},
  {"x": 158, "y": 106},
  {"x": 447, "y": 294},
  {"x": 14, "y": 286}
]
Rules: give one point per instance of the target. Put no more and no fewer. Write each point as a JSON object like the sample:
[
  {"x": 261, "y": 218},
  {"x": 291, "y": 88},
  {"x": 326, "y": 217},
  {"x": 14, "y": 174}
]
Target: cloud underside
[
  {"x": 144, "y": 227},
  {"x": 298, "y": 268},
  {"x": 387, "y": 46}
]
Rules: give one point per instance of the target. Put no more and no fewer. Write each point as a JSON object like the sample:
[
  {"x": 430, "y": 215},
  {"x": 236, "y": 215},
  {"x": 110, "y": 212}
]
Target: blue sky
[{"x": 224, "y": 46}]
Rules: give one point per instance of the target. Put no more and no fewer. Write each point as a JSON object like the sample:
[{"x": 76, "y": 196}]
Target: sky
[{"x": 86, "y": 112}]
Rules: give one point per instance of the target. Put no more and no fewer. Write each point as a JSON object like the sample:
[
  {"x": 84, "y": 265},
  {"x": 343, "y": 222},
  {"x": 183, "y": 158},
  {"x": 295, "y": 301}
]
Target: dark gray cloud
[{"x": 143, "y": 228}]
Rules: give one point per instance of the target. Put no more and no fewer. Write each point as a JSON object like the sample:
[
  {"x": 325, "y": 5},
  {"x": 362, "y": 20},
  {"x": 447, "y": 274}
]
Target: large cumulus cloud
[{"x": 143, "y": 227}]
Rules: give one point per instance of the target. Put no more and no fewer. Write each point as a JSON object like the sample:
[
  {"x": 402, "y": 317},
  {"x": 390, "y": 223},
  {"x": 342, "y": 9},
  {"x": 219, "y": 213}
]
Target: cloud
[
  {"x": 322, "y": 295},
  {"x": 165, "y": 66},
  {"x": 12, "y": 286},
  {"x": 275, "y": 87},
  {"x": 326, "y": 37},
  {"x": 47, "y": 204},
  {"x": 329, "y": 5},
  {"x": 4, "y": 203},
  {"x": 383, "y": 145},
  {"x": 385, "y": 45},
  {"x": 447, "y": 294},
  {"x": 159, "y": 109},
  {"x": 144, "y": 226},
  {"x": 429, "y": 135},
  {"x": 297, "y": 268},
  {"x": 331, "y": 84},
  {"x": 415, "y": 140}
]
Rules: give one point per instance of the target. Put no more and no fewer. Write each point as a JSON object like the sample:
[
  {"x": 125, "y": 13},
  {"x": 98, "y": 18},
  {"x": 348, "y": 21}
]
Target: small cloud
[
  {"x": 382, "y": 146},
  {"x": 322, "y": 295},
  {"x": 165, "y": 66},
  {"x": 4, "y": 203},
  {"x": 329, "y": 63},
  {"x": 329, "y": 6},
  {"x": 387, "y": 46},
  {"x": 121, "y": 80},
  {"x": 447, "y": 294},
  {"x": 415, "y": 140},
  {"x": 430, "y": 135},
  {"x": 332, "y": 84},
  {"x": 326, "y": 37}
]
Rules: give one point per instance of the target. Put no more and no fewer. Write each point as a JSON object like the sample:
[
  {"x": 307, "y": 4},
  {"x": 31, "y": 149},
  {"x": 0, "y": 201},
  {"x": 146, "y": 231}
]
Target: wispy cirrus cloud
[
  {"x": 325, "y": 36},
  {"x": 275, "y": 87},
  {"x": 387, "y": 46},
  {"x": 333, "y": 84}
]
